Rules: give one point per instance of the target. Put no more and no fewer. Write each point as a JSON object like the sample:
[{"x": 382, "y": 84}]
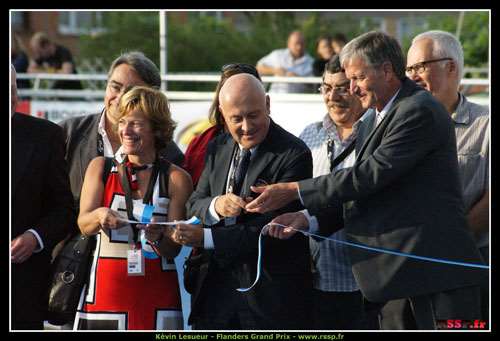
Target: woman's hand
[
  {"x": 153, "y": 231},
  {"x": 109, "y": 219}
]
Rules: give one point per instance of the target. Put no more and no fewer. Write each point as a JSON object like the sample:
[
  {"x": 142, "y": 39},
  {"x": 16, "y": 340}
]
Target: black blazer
[
  {"x": 403, "y": 193},
  {"x": 41, "y": 200},
  {"x": 81, "y": 147},
  {"x": 282, "y": 295}
]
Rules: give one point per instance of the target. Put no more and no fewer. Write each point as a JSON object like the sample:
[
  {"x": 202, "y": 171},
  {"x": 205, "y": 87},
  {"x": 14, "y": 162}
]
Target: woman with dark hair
[
  {"x": 133, "y": 283},
  {"x": 194, "y": 158},
  {"x": 324, "y": 52}
]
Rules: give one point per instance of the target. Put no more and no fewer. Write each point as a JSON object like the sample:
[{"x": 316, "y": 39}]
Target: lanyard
[
  {"x": 341, "y": 157},
  {"x": 148, "y": 197}
]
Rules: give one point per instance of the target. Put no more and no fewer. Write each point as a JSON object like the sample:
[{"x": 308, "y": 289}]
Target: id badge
[{"x": 135, "y": 262}]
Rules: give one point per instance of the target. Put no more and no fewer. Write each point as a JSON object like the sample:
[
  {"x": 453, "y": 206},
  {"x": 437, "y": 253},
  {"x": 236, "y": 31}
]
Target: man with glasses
[
  {"x": 401, "y": 198},
  {"x": 337, "y": 300},
  {"x": 436, "y": 62},
  {"x": 94, "y": 135}
]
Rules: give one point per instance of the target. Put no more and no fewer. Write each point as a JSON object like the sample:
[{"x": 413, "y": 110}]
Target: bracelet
[{"x": 156, "y": 242}]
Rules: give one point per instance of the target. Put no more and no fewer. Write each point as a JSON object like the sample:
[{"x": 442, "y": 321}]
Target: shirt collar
[
  {"x": 331, "y": 128},
  {"x": 252, "y": 150},
  {"x": 384, "y": 111},
  {"x": 101, "y": 128},
  {"x": 461, "y": 114},
  {"x": 329, "y": 125}
]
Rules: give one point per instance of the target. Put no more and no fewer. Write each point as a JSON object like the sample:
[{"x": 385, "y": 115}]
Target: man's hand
[
  {"x": 190, "y": 235},
  {"x": 273, "y": 197},
  {"x": 22, "y": 247},
  {"x": 297, "y": 220},
  {"x": 229, "y": 205}
]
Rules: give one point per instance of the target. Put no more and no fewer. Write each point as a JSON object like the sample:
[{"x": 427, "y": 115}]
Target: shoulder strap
[
  {"x": 348, "y": 150},
  {"x": 108, "y": 164},
  {"x": 164, "y": 177}
]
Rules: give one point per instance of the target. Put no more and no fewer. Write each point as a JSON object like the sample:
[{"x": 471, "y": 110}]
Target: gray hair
[
  {"x": 445, "y": 45},
  {"x": 145, "y": 68},
  {"x": 375, "y": 48}
]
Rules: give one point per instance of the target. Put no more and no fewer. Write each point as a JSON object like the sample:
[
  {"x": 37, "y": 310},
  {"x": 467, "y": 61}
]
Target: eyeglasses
[
  {"x": 339, "y": 90},
  {"x": 419, "y": 68}
]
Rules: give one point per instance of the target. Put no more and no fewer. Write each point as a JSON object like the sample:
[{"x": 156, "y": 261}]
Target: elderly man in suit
[
  {"x": 42, "y": 211},
  {"x": 406, "y": 196},
  {"x": 255, "y": 151}
]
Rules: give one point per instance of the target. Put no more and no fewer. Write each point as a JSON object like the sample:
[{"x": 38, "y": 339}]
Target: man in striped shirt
[
  {"x": 436, "y": 62},
  {"x": 338, "y": 302}
]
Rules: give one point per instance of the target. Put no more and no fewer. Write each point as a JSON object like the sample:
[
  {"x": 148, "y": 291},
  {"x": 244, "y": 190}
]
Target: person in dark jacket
[{"x": 42, "y": 211}]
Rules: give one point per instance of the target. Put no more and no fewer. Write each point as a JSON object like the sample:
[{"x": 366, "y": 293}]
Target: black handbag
[
  {"x": 193, "y": 265},
  {"x": 69, "y": 272}
]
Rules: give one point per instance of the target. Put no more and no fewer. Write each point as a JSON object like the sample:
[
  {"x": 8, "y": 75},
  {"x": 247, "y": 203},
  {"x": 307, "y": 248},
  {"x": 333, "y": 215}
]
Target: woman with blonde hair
[{"x": 133, "y": 283}]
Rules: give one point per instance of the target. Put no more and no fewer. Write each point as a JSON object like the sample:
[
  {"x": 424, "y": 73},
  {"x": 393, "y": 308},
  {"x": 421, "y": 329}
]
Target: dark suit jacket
[
  {"x": 404, "y": 194},
  {"x": 81, "y": 147},
  {"x": 41, "y": 200},
  {"x": 281, "y": 296}
]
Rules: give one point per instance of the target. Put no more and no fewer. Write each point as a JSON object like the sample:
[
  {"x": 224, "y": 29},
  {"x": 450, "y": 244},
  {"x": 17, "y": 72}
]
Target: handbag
[
  {"x": 69, "y": 272},
  {"x": 193, "y": 265}
]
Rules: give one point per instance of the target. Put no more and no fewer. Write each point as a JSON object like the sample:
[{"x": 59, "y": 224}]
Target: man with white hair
[
  {"x": 436, "y": 62},
  {"x": 402, "y": 194}
]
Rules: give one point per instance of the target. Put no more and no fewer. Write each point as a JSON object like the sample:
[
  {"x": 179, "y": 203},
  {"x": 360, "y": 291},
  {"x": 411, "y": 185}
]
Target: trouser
[
  {"x": 485, "y": 289},
  {"x": 341, "y": 311},
  {"x": 432, "y": 311}
]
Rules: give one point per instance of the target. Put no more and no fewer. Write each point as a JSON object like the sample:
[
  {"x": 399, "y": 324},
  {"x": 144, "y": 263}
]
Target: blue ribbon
[{"x": 361, "y": 246}]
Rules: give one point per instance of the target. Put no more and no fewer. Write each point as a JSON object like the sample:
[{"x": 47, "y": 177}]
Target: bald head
[
  {"x": 245, "y": 108},
  {"x": 296, "y": 44},
  {"x": 239, "y": 87}
]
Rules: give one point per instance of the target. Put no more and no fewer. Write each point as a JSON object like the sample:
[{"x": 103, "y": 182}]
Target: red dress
[
  {"x": 194, "y": 158},
  {"x": 113, "y": 299}
]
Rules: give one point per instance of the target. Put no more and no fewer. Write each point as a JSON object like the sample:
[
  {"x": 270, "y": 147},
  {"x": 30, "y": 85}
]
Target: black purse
[
  {"x": 194, "y": 264},
  {"x": 69, "y": 272}
]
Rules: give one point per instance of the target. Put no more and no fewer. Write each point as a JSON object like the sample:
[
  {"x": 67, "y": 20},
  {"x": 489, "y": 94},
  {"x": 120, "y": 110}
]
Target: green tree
[{"x": 123, "y": 31}]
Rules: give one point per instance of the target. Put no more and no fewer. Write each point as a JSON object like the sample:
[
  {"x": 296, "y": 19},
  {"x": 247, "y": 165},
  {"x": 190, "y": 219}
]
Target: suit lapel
[
  {"x": 222, "y": 164},
  {"x": 263, "y": 156},
  {"x": 88, "y": 149},
  {"x": 22, "y": 150},
  {"x": 364, "y": 130},
  {"x": 407, "y": 87},
  {"x": 257, "y": 165}
]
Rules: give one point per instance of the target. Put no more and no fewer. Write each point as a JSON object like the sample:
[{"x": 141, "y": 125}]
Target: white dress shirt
[{"x": 214, "y": 218}]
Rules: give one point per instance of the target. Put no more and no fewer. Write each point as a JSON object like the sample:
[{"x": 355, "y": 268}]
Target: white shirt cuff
[
  {"x": 213, "y": 218},
  {"x": 312, "y": 220},
  {"x": 208, "y": 241},
  {"x": 300, "y": 198},
  {"x": 40, "y": 243}
]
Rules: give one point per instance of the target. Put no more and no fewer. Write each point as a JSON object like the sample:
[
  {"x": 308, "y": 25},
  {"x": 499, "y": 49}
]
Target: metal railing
[{"x": 37, "y": 92}]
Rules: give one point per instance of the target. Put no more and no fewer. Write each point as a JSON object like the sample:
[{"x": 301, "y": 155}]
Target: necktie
[{"x": 241, "y": 170}]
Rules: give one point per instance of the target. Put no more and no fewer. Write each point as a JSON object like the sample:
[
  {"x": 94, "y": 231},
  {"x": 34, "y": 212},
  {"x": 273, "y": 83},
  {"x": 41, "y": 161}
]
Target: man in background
[{"x": 290, "y": 62}]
